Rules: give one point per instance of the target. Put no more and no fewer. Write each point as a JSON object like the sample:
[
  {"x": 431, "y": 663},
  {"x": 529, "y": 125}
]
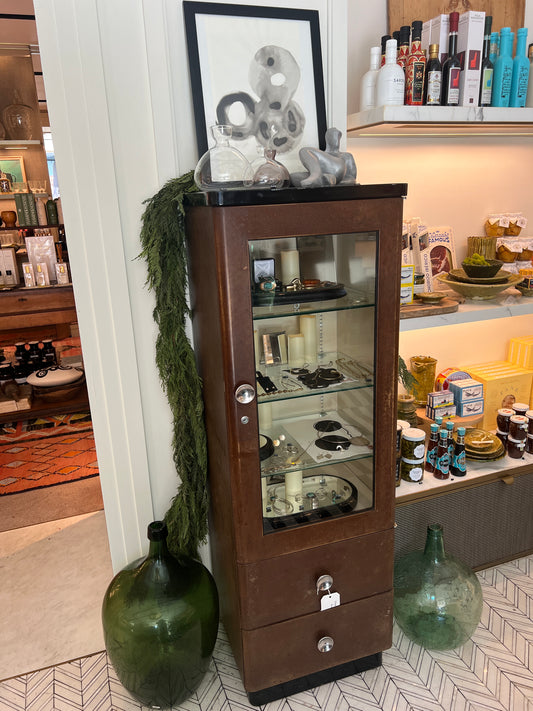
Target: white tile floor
[{"x": 493, "y": 670}]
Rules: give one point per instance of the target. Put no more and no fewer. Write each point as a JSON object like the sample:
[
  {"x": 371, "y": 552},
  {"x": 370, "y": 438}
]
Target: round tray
[
  {"x": 460, "y": 275},
  {"x": 479, "y": 292},
  {"x": 318, "y": 293}
]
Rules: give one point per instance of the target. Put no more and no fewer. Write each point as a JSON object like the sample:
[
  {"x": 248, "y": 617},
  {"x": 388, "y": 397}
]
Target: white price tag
[{"x": 331, "y": 600}]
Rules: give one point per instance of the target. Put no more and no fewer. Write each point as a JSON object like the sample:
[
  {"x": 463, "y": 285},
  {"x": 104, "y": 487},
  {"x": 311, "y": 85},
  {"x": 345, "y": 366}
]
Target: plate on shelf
[
  {"x": 524, "y": 290},
  {"x": 479, "y": 291},
  {"x": 482, "y": 445},
  {"x": 431, "y": 297},
  {"x": 461, "y": 275}
]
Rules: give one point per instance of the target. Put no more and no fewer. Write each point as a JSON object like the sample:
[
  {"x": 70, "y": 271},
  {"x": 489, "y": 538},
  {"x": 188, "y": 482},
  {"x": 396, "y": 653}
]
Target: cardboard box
[
  {"x": 465, "y": 390},
  {"x": 407, "y": 274},
  {"x": 504, "y": 383},
  {"x": 470, "y": 408},
  {"x": 10, "y": 270},
  {"x": 440, "y": 398},
  {"x": 470, "y": 51},
  {"x": 439, "y": 33},
  {"x": 521, "y": 351},
  {"x": 437, "y": 255},
  {"x": 445, "y": 412}
]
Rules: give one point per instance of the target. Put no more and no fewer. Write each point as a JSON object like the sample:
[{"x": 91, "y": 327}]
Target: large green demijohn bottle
[
  {"x": 437, "y": 598},
  {"x": 160, "y": 618}
]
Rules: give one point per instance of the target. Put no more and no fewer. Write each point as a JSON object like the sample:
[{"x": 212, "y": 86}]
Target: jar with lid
[
  {"x": 413, "y": 447},
  {"x": 412, "y": 469},
  {"x": 515, "y": 223},
  {"x": 515, "y": 448},
  {"x": 502, "y": 436},
  {"x": 520, "y": 408},
  {"x": 518, "y": 427},
  {"x": 529, "y": 415},
  {"x": 503, "y": 418},
  {"x": 493, "y": 228},
  {"x": 529, "y": 444}
]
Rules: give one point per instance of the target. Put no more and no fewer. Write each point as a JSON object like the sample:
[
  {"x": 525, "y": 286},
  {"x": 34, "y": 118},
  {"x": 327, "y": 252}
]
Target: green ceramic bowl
[{"x": 482, "y": 271}]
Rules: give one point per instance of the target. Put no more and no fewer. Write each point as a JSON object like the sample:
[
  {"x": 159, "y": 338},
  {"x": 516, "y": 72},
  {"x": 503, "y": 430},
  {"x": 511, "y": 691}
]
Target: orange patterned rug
[{"x": 40, "y": 461}]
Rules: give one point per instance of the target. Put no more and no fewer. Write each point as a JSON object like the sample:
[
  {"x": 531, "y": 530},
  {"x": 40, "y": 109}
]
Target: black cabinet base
[{"x": 273, "y": 693}]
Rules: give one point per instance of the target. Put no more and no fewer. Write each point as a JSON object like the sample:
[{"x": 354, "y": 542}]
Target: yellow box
[
  {"x": 504, "y": 383},
  {"x": 521, "y": 351}
]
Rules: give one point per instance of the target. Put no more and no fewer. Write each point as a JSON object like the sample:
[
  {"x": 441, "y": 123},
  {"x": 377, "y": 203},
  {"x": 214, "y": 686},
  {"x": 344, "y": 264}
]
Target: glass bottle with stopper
[{"x": 223, "y": 167}]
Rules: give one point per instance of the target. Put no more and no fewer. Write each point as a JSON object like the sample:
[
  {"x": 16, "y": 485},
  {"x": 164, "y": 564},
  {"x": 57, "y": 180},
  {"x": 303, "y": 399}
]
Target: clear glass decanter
[
  {"x": 18, "y": 119},
  {"x": 223, "y": 167}
]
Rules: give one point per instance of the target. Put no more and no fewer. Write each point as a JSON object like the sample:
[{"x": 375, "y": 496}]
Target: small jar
[
  {"x": 493, "y": 227},
  {"x": 515, "y": 448},
  {"x": 529, "y": 444},
  {"x": 529, "y": 415},
  {"x": 413, "y": 447},
  {"x": 412, "y": 469},
  {"x": 514, "y": 228},
  {"x": 520, "y": 408},
  {"x": 502, "y": 436},
  {"x": 518, "y": 427},
  {"x": 503, "y": 418}
]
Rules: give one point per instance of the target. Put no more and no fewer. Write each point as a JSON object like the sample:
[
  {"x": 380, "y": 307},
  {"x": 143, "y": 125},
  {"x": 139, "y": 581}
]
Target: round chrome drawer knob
[
  {"x": 325, "y": 644},
  {"x": 323, "y": 584},
  {"x": 244, "y": 393}
]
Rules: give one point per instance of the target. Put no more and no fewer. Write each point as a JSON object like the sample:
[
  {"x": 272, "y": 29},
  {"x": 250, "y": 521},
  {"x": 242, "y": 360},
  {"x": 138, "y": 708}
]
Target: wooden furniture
[
  {"x": 297, "y": 514},
  {"x": 22, "y": 309}
]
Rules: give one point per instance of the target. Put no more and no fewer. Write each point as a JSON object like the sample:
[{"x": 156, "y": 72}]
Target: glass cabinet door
[{"x": 313, "y": 303}]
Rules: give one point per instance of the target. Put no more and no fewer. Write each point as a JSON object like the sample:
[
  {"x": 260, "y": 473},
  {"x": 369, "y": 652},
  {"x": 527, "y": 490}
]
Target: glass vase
[
  {"x": 223, "y": 167},
  {"x": 160, "y": 620},
  {"x": 423, "y": 369},
  {"x": 270, "y": 173},
  {"x": 18, "y": 119},
  {"x": 437, "y": 598}
]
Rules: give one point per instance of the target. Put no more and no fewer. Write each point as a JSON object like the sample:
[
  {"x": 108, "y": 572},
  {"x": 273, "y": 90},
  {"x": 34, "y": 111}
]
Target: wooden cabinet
[
  {"x": 29, "y": 308},
  {"x": 295, "y": 315}
]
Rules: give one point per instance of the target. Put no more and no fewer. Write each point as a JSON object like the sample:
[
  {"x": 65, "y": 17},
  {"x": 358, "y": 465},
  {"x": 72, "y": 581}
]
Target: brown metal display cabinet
[{"x": 295, "y": 301}]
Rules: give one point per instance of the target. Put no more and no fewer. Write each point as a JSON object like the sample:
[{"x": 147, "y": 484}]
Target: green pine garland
[{"x": 164, "y": 249}]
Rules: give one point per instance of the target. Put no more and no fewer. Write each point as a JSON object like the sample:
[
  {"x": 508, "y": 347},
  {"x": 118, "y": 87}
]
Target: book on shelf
[
  {"x": 19, "y": 205},
  {"x": 32, "y": 209}
]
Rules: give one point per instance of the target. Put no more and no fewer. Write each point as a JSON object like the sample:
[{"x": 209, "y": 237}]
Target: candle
[
  {"x": 290, "y": 265},
  {"x": 265, "y": 416},
  {"x": 264, "y": 495},
  {"x": 308, "y": 329},
  {"x": 257, "y": 348},
  {"x": 293, "y": 490},
  {"x": 296, "y": 350}
]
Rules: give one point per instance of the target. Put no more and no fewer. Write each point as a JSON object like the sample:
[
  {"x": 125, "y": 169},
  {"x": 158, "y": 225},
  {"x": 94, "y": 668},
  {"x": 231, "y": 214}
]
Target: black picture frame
[{"x": 220, "y": 77}]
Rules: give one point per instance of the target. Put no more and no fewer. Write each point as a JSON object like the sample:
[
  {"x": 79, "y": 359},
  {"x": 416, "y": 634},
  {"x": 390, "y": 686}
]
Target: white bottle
[
  {"x": 391, "y": 79},
  {"x": 368, "y": 82}
]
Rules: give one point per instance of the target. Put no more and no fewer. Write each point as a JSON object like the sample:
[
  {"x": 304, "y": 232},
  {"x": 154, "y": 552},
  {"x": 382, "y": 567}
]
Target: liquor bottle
[
  {"x": 384, "y": 41},
  {"x": 431, "y": 452},
  {"x": 433, "y": 83},
  {"x": 451, "y": 442},
  {"x": 503, "y": 70},
  {"x": 403, "y": 46},
  {"x": 451, "y": 68},
  {"x": 442, "y": 460},
  {"x": 415, "y": 69},
  {"x": 368, "y": 82},
  {"x": 391, "y": 79},
  {"x": 487, "y": 68},
  {"x": 458, "y": 461},
  {"x": 520, "y": 76},
  {"x": 529, "y": 97},
  {"x": 494, "y": 46}
]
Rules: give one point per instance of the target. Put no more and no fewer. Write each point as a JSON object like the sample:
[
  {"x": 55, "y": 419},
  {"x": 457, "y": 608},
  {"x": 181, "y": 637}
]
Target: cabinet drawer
[
  {"x": 285, "y": 587},
  {"x": 29, "y": 300},
  {"x": 288, "y": 650}
]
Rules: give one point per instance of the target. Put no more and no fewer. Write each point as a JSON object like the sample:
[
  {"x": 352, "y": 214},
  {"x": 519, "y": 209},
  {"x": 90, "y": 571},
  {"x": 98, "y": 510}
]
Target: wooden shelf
[
  {"x": 510, "y": 303},
  {"x": 19, "y": 144},
  {"x": 440, "y": 121},
  {"x": 478, "y": 473},
  {"x": 40, "y": 408},
  {"x": 11, "y": 196}
]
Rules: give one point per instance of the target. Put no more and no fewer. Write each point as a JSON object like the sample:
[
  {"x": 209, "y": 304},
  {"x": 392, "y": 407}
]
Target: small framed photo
[
  {"x": 13, "y": 167},
  {"x": 269, "y": 88}
]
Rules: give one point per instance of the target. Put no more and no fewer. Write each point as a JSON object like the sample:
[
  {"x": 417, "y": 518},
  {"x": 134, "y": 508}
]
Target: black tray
[{"x": 319, "y": 293}]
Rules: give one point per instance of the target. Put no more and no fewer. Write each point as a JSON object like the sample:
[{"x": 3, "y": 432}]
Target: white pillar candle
[
  {"x": 264, "y": 495},
  {"x": 296, "y": 350},
  {"x": 290, "y": 265},
  {"x": 257, "y": 348},
  {"x": 294, "y": 490},
  {"x": 308, "y": 329},
  {"x": 265, "y": 416}
]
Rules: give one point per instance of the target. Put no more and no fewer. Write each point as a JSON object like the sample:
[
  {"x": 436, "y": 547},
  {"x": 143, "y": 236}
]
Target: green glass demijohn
[
  {"x": 160, "y": 618},
  {"x": 437, "y": 598}
]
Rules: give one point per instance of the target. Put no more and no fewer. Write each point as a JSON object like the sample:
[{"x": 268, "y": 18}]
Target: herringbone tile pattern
[{"x": 492, "y": 671}]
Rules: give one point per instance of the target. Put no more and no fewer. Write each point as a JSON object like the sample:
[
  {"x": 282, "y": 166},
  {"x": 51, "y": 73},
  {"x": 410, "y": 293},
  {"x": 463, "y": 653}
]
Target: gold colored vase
[{"x": 423, "y": 369}]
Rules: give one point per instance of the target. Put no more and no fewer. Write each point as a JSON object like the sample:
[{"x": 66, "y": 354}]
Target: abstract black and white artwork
[{"x": 258, "y": 70}]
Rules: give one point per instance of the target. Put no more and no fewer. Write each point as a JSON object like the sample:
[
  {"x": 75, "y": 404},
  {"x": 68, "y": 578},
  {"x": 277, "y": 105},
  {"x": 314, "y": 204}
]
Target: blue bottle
[
  {"x": 503, "y": 70},
  {"x": 494, "y": 46},
  {"x": 520, "y": 70}
]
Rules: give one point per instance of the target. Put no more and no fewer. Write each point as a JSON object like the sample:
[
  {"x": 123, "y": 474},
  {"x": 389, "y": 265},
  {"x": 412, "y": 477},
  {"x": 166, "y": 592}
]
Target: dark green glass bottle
[{"x": 160, "y": 618}]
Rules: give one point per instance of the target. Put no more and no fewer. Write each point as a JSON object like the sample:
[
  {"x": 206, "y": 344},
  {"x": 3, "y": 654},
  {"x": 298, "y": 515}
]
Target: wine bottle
[
  {"x": 368, "y": 82},
  {"x": 487, "y": 68},
  {"x": 458, "y": 462},
  {"x": 529, "y": 97},
  {"x": 451, "y": 68},
  {"x": 384, "y": 40},
  {"x": 520, "y": 74},
  {"x": 433, "y": 83},
  {"x": 391, "y": 79},
  {"x": 503, "y": 70},
  {"x": 403, "y": 47},
  {"x": 415, "y": 68},
  {"x": 442, "y": 461}
]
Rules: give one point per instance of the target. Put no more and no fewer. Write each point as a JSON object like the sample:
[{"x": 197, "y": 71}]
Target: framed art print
[
  {"x": 13, "y": 166},
  {"x": 258, "y": 70}
]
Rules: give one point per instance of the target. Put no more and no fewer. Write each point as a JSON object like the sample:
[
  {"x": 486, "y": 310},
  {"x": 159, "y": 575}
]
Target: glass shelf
[{"x": 353, "y": 300}]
